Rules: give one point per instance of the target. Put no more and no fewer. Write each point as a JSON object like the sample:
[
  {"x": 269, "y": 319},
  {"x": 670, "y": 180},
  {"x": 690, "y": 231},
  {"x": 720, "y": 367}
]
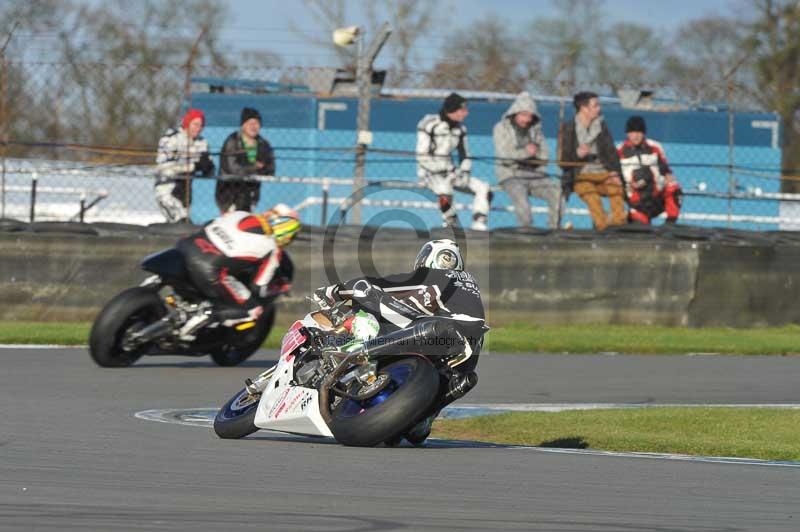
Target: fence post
[
  {"x": 3, "y": 115},
  {"x": 3, "y": 132},
  {"x": 34, "y": 181},
  {"x": 731, "y": 133},
  {"x": 325, "y": 193},
  {"x": 364, "y": 80}
]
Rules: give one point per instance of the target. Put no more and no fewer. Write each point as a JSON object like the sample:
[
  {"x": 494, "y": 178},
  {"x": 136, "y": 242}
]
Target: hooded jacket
[{"x": 510, "y": 141}]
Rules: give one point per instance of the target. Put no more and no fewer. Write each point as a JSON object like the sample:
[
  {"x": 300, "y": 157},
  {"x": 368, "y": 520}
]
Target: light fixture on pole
[{"x": 364, "y": 60}]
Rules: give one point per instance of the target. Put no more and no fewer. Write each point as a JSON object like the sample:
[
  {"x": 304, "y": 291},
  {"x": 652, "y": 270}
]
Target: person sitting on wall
[
  {"x": 439, "y": 136},
  {"x": 592, "y": 166},
  {"x": 244, "y": 153},
  {"x": 521, "y": 150},
  {"x": 650, "y": 186}
]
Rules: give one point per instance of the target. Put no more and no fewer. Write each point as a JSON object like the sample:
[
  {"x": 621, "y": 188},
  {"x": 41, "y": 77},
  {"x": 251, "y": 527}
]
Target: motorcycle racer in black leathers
[{"x": 438, "y": 288}]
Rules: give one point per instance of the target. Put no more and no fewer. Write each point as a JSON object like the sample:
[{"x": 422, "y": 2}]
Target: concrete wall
[{"x": 567, "y": 278}]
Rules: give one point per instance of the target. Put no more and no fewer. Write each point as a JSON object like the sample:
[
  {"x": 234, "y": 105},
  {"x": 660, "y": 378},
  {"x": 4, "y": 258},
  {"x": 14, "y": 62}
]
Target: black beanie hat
[
  {"x": 453, "y": 102},
  {"x": 248, "y": 113},
  {"x": 635, "y": 123}
]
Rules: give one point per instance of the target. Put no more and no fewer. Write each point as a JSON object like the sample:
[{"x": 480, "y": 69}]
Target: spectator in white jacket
[
  {"x": 438, "y": 136},
  {"x": 182, "y": 154}
]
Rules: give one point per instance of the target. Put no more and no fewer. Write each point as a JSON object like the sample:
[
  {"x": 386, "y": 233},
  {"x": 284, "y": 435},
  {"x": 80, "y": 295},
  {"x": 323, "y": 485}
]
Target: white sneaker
[{"x": 479, "y": 225}]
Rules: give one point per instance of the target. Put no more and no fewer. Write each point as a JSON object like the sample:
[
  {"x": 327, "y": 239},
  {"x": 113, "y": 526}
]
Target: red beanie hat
[{"x": 190, "y": 115}]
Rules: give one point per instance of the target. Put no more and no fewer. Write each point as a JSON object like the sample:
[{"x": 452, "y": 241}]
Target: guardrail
[{"x": 129, "y": 191}]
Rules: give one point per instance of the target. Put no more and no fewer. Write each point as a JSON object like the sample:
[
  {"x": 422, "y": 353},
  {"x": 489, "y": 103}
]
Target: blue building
[{"x": 314, "y": 136}]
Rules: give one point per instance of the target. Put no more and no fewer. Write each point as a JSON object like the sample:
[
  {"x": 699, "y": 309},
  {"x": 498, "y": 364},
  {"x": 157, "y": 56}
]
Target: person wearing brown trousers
[{"x": 590, "y": 162}]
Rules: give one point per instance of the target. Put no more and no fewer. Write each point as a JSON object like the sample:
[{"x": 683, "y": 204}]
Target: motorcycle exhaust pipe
[
  {"x": 458, "y": 387},
  {"x": 149, "y": 333}
]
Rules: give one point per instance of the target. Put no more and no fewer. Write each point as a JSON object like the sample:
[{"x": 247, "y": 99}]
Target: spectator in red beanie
[{"x": 182, "y": 154}]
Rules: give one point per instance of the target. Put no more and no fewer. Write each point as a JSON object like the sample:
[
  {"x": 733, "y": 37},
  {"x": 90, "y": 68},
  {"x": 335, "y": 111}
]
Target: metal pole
[
  {"x": 362, "y": 124},
  {"x": 325, "y": 193},
  {"x": 364, "y": 79},
  {"x": 731, "y": 179},
  {"x": 3, "y": 111},
  {"x": 3, "y": 132},
  {"x": 34, "y": 180}
]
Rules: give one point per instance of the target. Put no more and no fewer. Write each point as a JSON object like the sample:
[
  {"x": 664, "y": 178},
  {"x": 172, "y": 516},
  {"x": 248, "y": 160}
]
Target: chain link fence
[{"x": 79, "y": 143}]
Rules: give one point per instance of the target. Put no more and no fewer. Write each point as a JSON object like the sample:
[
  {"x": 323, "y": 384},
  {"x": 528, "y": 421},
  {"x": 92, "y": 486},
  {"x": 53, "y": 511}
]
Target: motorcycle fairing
[{"x": 286, "y": 407}]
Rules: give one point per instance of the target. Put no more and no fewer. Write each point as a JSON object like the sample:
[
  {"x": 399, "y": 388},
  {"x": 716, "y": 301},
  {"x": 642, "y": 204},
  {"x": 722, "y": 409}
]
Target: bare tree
[
  {"x": 775, "y": 43},
  {"x": 704, "y": 53},
  {"x": 483, "y": 57},
  {"x": 630, "y": 56},
  {"x": 568, "y": 49},
  {"x": 412, "y": 21},
  {"x": 124, "y": 76}
]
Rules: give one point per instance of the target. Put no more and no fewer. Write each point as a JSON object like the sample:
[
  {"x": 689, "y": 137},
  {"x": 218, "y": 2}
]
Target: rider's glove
[{"x": 327, "y": 296}]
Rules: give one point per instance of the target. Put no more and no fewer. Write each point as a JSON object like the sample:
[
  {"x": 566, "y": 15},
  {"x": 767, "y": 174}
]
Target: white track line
[
  {"x": 204, "y": 417},
  {"x": 40, "y": 346}
]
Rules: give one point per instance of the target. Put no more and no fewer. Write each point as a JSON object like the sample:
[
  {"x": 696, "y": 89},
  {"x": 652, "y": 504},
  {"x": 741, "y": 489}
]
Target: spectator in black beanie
[
  {"x": 650, "y": 186},
  {"x": 245, "y": 153}
]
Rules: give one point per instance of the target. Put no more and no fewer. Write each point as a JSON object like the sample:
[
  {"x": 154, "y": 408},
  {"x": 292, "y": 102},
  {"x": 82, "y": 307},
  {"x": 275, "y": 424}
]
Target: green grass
[
  {"x": 770, "y": 434},
  {"x": 520, "y": 337},
  {"x": 516, "y": 338},
  {"x": 30, "y": 332}
]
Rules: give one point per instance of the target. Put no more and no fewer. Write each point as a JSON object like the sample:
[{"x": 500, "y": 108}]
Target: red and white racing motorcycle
[{"x": 335, "y": 378}]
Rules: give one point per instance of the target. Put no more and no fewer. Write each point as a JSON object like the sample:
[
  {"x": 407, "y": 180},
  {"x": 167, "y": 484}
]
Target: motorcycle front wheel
[{"x": 236, "y": 419}]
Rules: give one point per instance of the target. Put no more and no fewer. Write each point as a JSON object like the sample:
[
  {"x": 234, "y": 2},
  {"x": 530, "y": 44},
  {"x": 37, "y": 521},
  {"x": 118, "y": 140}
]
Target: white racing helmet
[{"x": 440, "y": 255}]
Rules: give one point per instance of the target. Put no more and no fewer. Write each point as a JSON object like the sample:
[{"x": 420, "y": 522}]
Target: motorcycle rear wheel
[
  {"x": 415, "y": 387},
  {"x": 243, "y": 344},
  {"x": 134, "y": 307}
]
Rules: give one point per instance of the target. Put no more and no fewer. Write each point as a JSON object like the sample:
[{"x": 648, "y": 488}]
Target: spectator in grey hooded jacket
[{"x": 520, "y": 149}]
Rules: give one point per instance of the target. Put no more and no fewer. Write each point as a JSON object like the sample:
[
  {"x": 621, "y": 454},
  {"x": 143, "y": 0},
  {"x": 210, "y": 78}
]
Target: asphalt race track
[{"x": 74, "y": 457}]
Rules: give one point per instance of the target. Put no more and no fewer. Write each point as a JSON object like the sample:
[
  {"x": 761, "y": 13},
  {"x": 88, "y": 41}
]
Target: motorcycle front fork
[{"x": 259, "y": 384}]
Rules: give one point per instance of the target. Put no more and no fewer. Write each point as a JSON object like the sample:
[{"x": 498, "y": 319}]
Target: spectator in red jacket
[{"x": 649, "y": 184}]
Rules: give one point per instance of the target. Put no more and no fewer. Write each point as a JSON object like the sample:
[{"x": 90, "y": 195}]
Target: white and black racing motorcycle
[{"x": 335, "y": 378}]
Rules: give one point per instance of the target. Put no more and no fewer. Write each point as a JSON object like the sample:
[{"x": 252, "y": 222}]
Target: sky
[{"x": 266, "y": 24}]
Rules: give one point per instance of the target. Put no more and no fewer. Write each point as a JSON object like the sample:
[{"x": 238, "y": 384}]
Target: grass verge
[
  {"x": 518, "y": 338},
  {"x": 769, "y": 434}
]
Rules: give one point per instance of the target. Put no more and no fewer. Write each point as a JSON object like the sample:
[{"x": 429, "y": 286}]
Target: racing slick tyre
[
  {"x": 244, "y": 343},
  {"x": 413, "y": 389},
  {"x": 236, "y": 419},
  {"x": 133, "y": 308}
]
